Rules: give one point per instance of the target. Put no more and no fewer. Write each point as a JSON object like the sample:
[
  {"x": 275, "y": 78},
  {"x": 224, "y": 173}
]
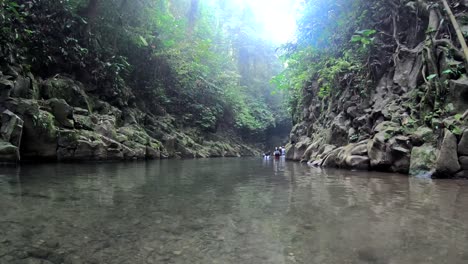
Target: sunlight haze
[{"x": 277, "y": 16}]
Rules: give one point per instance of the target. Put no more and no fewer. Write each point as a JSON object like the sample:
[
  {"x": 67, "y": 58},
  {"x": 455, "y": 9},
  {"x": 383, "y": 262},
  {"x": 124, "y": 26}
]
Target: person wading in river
[{"x": 277, "y": 153}]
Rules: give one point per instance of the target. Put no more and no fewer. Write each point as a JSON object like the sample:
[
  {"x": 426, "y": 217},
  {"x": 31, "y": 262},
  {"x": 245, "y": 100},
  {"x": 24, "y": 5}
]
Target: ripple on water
[{"x": 227, "y": 211}]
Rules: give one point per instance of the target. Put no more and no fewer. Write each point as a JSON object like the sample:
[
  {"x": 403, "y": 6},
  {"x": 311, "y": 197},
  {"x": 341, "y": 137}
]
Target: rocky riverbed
[{"x": 227, "y": 211}]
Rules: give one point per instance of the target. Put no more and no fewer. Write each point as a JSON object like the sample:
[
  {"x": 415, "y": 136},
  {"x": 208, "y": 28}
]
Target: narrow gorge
[{"x": 394, "y": 98}]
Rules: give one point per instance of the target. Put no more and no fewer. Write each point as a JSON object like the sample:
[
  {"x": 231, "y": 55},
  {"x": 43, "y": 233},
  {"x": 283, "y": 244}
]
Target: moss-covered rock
[
  {"x": 8, "y": 152},
  {"x": 67, "y": 89},
  {"x": 423, "y": 160}
]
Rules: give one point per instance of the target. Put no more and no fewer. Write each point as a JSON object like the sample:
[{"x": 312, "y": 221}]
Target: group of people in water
[{"x": 277, "y": 153}]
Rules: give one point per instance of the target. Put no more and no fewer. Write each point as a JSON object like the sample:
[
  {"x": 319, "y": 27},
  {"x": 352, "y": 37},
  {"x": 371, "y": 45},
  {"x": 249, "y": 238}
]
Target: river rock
[
  {"x": 421, "y": 136},
  {"x": 463, "y": 162},
  {"x": 296, "y": 151},
  {"x": 11, "y": 128},
  {"x": 463, "y": 144},
  {"x": 311, "y": 149},
  {"x": 463, "y": 174},
  {"x": 447, "y": 161},
  {"x": 358, "y": 162},
  {"x": 40, "y": 136},
  {"x": 379, "y": 152},
  {"x": 457, "y": 95},
  {"x": 62, "y": 112},
  {"x": 332, "y": 159},
  {"x": 22, "y": 88},
  {"x": 8, "y": 152},
  {"x": 339, "y": 131},
  {"x": 360, "y": 149},
  {"x": 423, "y": 160},
  {"x": 67, "y": 89},
  {"x": 400, "y": 147},
  {"x": 6, "y": 85}
]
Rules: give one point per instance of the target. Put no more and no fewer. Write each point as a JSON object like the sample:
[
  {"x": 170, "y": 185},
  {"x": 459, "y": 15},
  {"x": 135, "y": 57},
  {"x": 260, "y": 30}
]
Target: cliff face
[
  {"x": 60, "y": 119},
  {"x": 410, "y": 116}
]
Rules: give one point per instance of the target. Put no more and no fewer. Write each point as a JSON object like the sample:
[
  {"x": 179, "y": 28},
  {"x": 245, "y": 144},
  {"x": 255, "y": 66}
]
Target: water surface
[{"x": 227, "y": 211}]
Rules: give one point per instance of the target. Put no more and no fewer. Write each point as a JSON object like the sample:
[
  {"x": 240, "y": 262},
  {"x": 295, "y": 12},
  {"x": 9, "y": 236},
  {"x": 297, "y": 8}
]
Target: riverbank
[
  {"x": 393, "y": 97},
  {"x": 58, "y": 119}
]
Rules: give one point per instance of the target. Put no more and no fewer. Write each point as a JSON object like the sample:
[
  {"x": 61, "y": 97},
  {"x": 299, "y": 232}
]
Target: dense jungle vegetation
[{"x": 202, "y": 61}]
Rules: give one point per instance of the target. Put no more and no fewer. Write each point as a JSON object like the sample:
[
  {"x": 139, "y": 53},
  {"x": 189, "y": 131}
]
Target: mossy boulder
[
  {"x": 67, "y": 89},
  {"x": 423, "y": 160},
  {"x": 8, "y": 152},
  {"x": 62, "y": 112},
  {"x": 40, "y": 136}
]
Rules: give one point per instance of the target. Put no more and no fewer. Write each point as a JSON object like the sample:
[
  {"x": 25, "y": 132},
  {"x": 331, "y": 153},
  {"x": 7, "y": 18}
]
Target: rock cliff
[
  {"x": 60, "y": 119},
  {"x": 411, "y": 115}
]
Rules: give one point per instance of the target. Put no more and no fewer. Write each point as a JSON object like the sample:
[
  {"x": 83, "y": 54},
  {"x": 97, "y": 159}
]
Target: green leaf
[
  {"x": 449, "y": 71},
  {"x": 143, "y": 41},
  {"x": 356, "y": 38},
  {"x": 432, "y": 76}
]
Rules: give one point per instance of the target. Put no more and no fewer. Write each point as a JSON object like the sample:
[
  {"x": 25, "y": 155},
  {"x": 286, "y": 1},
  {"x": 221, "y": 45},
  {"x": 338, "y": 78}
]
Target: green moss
[{"x": 44, "y": 123}]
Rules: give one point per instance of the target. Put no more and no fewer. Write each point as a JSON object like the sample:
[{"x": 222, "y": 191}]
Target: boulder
[
  {"x": 332, "y": 159},
  {"x": 133, "y": 150},
  {"x": 11, "y": 128},
  {"x": 22, "y": 88},
  {"x": 299, "y": 148},
  {"x": 39, "y": 136},
  {"x": 6, "y": 85},
  {"x": 316, "y": 163},
  {"x": 379, "y": 153},
  {"x": 289, "y": 151},
  {"x": 357, "y": 162},
  {"x": 458, "y": 94},
  {"x": 67, "y": 89},
  {"x": 447, "y": 161},
  {"x": 463, "y": 144},
  {"x": 325, "y": 150},
  {"x": 421, "y": 136},
  {"x": 90, "y": 150},
  {"x": 339, "y": 131},
  {"x": 360, "y": 149},
  {"x": 311, "y": 149},
  {"x": 152, "y": 153},
  {"x": 84, "y": 122},
  {"x": 423, "y": 160},
  {"x": 8, "y": 152},
  {"x": 62, "y": 112},
  {"x": 463, "y": 174},
  {"x": 400, "y": 148},
  {"x": 463, "y": 162}
]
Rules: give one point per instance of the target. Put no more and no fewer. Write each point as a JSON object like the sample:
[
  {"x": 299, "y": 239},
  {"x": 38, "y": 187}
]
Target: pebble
[
  {"x": 177, "y": 253},
  {"x": 52, "y": 244}
]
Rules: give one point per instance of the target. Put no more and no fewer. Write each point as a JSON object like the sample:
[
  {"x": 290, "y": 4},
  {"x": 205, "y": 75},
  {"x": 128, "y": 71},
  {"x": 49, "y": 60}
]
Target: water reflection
[{"x": 227, "y": 211}]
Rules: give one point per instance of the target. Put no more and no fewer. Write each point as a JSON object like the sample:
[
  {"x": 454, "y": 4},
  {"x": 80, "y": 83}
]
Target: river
[{"x": 245, "y": 210}]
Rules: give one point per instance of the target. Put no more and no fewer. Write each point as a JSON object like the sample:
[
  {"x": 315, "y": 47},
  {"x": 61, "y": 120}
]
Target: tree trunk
[
  {"x": 90, "y": 13},
  {"x": 460, "y": 36},
  {"x": 192, "y": 16}
]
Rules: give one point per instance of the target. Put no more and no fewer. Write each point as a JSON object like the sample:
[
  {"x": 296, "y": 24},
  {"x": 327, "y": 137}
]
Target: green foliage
[
  {"x": 212, "y": 70},
  {"x": 331, "y": 47}
]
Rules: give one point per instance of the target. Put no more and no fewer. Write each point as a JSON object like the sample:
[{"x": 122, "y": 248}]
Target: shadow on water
[{"x": 227, "y": 211}]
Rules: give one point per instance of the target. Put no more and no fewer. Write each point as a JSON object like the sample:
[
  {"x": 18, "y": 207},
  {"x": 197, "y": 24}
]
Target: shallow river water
[{"x": 227, "y": 211}]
